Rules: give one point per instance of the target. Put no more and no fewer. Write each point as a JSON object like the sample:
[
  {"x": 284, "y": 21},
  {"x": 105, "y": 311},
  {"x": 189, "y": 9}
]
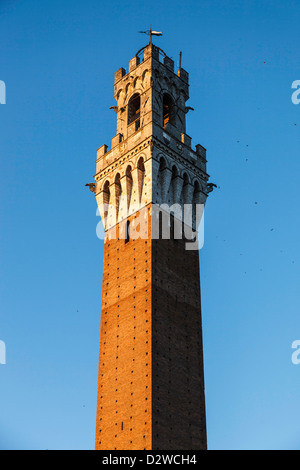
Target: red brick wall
[
  {"x": 178, "y": 402},
  {"x": 151, "y": 383}
]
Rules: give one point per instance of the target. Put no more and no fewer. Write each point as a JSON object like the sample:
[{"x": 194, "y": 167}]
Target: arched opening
[
  {"x": 129, "y": 183},
  {"x": 185, "y": 179},
  {"x": 173, "y": 184},
  {"x": 106, "y": 193},
  {"x": 106, "y": 198},
  {"x": 118, "y": 183},
  {"x": 118, "y": 191},
  {"x": 141, "y": 176},
  {"x": 162, "y": 164},
  {"x": 196, "y": 201},
  {"x": 185, "y": 189},
  {"x": 185, "y": 200},
  {"x": 128, "y": 171},
  {"x": 140, "y": 164},
  {"x": 160, "y": 179},
  {"x": 174, "y": 172},
  {"x": 168, "y": 110},
  {"x": 197, "y": 190},
  {"x": 134, "y": 108}
]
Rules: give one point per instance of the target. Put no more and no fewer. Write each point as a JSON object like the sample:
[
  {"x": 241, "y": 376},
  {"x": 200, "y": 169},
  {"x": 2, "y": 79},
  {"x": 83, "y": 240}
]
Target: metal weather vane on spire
[{"x": 151, "y": 33}]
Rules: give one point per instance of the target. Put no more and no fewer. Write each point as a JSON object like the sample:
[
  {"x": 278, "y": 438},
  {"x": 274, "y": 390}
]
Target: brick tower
[{"x": 151, "y": 379}]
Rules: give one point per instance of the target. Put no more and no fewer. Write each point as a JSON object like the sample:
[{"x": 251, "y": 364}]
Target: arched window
[
  {"x": 141, "y": 177},
  {"x": 174, "y": 172},
  {"x": 196, "y": 200},
  {"x": 128, "y": 172},
  {"x": 118, "y": 185},
  {"x": 168, "y": 110},
  {"x": 106, "y": 198},
  {"x": 129, "y": 184},
  {"x": 134, "y": 107},
  {"x": 184, "y": 194},
  {"x": 118, "y": 191},
  {"x": 196, "y": 192},
  {"x": 106, "y": 193},
  {"x": 140, "y": 164},
  {"x": 174, "y": 183},
  {"x": 162, "y": 164}
]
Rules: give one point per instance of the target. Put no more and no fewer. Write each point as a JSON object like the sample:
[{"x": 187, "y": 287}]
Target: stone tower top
[
  {"x": 151, "y": 92},
  {"x": 151, "y": 159}
]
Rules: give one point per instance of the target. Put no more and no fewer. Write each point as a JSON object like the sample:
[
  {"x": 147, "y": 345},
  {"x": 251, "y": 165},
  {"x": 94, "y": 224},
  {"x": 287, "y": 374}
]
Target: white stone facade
[{"x": 150, "y": 160}]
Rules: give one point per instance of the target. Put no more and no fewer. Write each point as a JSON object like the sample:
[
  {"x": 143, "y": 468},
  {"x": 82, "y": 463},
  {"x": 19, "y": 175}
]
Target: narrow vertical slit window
[
  {"x": 127, "y": 231},
  {"x": 160, "y": 225}
]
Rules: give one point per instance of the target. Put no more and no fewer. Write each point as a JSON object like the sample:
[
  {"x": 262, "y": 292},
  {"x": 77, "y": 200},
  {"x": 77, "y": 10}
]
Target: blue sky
[{"x": 58, "y": 60}]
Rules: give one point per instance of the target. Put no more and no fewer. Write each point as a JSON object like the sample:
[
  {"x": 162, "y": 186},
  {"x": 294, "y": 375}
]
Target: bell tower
[{"x": 151, "y": 377}]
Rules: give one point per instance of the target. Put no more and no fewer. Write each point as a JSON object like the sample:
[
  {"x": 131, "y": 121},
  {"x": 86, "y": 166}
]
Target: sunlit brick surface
[
  {"x": 124, "y": 419},
  {"x": 151, "y": 381}
]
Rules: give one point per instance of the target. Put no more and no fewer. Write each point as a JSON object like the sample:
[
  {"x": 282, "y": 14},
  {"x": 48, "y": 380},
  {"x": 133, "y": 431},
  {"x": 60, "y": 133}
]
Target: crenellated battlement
[{"x": 151, "y": 52}]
